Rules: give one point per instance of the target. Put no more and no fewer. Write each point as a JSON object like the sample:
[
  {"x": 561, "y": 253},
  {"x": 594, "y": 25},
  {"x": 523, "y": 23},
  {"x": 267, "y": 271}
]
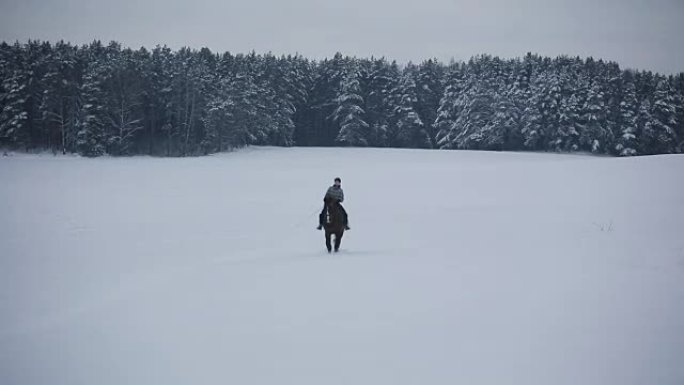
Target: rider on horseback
[{"x": 334, "y": 192}]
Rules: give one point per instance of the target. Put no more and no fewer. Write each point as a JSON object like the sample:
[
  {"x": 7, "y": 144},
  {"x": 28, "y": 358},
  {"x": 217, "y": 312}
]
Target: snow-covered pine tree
[
  {"x": 40, "y": 59},
  {"x": 191, "y": 76},
  {"x": 611, "y": 81},
  {"x": 568, "y": 133},
  {"x": 504, "y": 130},
  {"x": 242, "y": 93},
  {"x": 202, "y": 75},
  {"x": 407, "y": 129},
  {"x": 328, "y": 76},
  {"x": 273, "y": 123},
  {"x": 298, "y": 79},
  {"x": 659, "y": 137},
  {"x": 215, "y": 120},
  {"x": 349, "y": 114},
  {"x": 645, "y": 128},
  {"x": 300, "y": 82},
  {"x": 429, "y": 91},
  {"x": 124, "y": 103},
  {"x": 474, "y": 122},
  {"x": 91, "y": 138},
  {"x": 382, "y": 79},
  {"x": 160, "y": 103},
  {"x": 277, "y": 107},
  {"x": 626, "y": 143},
  {"x": 552, "y": 96},
  {"x": 450, "y": 107},
  {"x": 518, "y": 95},
  {"x": 595, "y": 136},
  {"x": 540, "y": 106},
  {"x": 13, "y": 96},
  {"x": 259, "y": 96},
  {"x": 59, "y": 101},
  {"x": 678, "y": 88},
  {"x": 179, "y": 103},
  {"x": 23, "y": 90}
]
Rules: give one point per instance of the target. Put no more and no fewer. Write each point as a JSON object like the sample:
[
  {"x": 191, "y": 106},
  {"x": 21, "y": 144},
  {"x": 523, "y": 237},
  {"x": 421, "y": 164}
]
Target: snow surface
[{"x": 460, "y": 268}]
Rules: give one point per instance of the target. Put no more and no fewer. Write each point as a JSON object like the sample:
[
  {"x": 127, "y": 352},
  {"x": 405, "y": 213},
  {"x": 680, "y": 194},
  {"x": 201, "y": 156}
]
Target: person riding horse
[{"x": 335, "y": 193}]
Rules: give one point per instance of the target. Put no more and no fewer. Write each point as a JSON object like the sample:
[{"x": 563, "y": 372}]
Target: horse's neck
[
  {"x": 334, "y": 219},
  {"x": 332, "y": 211}
]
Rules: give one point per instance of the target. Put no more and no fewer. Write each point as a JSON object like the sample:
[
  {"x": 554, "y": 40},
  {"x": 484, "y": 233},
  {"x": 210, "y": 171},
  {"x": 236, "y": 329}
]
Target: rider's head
[{"x": 338, "y": 182}]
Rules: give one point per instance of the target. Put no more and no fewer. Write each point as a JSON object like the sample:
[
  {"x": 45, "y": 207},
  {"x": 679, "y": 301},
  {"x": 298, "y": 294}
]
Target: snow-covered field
[{"x": 460, "y": 268}]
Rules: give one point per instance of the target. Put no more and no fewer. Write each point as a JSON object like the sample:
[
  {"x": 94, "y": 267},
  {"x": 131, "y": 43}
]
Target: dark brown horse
[{"x": 333, "y": 224}]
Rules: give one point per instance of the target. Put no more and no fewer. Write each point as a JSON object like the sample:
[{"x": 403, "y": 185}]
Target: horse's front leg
[
  {"x": 328, "y": 234},
  {"x": 338, "y": 240}
]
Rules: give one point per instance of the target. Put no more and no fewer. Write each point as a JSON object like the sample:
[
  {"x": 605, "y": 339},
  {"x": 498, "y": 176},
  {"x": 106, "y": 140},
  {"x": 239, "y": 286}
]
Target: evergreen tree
[
  {"x": 241, "y": 110},
  {"x": 569, "y": 128},
  {"x": 407, "y": 128},
  {"x": 626, "y": 141},
  {"x": 37, "y": 61},
  {"x": 124, "y": 103},
  {"x": 504, "y": 130},
  {"x": 678, "y": 89},
  {"x": 91, "y": 138},
  {"x": 450, "y": 107},
  {"x": 475, "y": 122},
  {"x": 429, "y": 91},
  {"x": 14, "y": 117},
  {"x": 300, "y": 82},
  {"x": 328, "y": 77},
  {"x": 596, "y": 136},
  {"x": 659, "y": 136},
  {"x": 645, "y": 129},
  {"x": 350, "y": 115},
  {"x": 381, "y": 79},
  {"x": 59, "y": 102},
  {"x": 542, "y": 112}
]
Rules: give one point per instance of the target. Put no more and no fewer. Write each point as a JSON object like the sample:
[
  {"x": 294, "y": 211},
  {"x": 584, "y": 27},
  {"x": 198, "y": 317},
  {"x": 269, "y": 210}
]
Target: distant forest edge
[{"x": 104, "y": 99}]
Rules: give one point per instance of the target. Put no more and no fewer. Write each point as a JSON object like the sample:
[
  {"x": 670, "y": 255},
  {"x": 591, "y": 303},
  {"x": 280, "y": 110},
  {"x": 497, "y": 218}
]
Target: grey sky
[{"x": 636, "y": 34}]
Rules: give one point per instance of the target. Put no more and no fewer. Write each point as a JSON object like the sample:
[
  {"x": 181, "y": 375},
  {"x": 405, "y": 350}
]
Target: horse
[{"x": 333, "y": 224}]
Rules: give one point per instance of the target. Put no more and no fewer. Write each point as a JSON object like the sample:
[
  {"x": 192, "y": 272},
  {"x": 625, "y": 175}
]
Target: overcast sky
[{"x": 639, "y": 34}]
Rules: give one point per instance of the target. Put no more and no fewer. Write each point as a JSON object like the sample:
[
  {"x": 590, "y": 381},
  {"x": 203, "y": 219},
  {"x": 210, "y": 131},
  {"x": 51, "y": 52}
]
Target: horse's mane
[{"x": 329, "y": 200}]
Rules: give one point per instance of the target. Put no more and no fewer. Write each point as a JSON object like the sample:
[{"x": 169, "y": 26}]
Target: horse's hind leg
[
  {"x": 327, "y": 241},
  {"x": 338, "y": 240}
]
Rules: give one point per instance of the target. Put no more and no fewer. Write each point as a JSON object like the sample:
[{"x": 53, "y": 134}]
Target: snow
[{"x": 460, "y": 268}]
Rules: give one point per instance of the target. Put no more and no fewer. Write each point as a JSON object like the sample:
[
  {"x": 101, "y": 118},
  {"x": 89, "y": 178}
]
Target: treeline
[{"x": 98, "y": 99}]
